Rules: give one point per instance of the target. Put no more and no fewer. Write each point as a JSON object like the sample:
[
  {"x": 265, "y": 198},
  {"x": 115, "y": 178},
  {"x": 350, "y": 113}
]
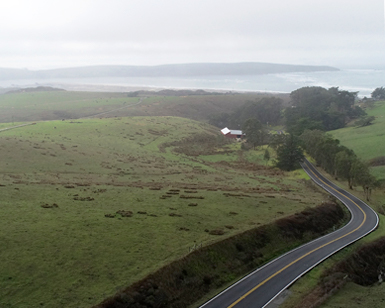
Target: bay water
[{"x": 363, "y": 81}]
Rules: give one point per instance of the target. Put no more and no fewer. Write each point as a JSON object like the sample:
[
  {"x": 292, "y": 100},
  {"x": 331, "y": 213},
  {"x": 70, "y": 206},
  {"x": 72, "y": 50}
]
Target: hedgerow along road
[{"x": 260, "y": 287}]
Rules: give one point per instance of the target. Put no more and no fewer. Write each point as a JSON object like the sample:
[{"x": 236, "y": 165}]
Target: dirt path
[
  {"x": 102, "y": 113},
  {"x": 12, "y": 127}
]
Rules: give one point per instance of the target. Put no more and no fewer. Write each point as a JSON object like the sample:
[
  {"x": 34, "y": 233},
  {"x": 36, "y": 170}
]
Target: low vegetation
[
  {"x": 90, "y": 206},
  {"x": 182, "y": 282},
  {"x": 82, "y": 198},
  {"x": 359, "y": 269},
  {"x": 57, "y": 105}
]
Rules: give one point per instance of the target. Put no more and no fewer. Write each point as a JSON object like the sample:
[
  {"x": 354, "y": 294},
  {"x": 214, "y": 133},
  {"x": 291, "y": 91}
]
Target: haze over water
[{"x": 364, "y": 81}]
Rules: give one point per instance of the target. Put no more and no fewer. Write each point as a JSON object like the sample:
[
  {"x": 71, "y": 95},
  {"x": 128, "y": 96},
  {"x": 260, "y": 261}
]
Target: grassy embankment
[
  {"x": 203, "y": 273},
  {"x": 367, "y": 142},
  {"x": 60, "y": 178}
]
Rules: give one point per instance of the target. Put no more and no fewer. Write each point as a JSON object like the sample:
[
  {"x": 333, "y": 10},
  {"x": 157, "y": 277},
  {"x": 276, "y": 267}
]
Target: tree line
[
  {"x": 310, "y": 108},
  {"x": 268, "y": 111},
  {"x": 338, "y": 160},
  {"x": 312, "y": 112},
  {"x": 322, "y": 109},
  {"x": 329, "y": 154}
]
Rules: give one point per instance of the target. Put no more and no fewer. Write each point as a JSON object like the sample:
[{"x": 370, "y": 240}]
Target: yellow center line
[{"x": 306, "y": 254}]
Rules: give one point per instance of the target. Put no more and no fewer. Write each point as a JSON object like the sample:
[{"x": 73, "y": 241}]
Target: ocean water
[{"x": 361, "y": 81}]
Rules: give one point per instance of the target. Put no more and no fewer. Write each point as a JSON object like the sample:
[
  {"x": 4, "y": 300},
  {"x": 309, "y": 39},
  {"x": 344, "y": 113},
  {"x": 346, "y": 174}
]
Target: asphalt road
[{"x": 259, "y": 288}]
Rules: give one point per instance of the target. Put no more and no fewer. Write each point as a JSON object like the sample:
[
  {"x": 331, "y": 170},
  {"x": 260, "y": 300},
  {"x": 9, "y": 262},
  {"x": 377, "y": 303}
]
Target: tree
[
  {"x": 289, "y": 154},
  {"x": 267, "y": 110},
  {"x": 276, "y": 140},
  {"x": 319, "y": 108},
  {"x": 365, "y": 121},
  {"x": 311, "y": 140},
  {"x": 303, "y": 124},
  {"x": 361, "y": 176},
  {"x": 220, "y": 120},
  {"x": 254, "y": 132},
  {"x": 344, "y": 161},
  {"x": 266, "y": 156},
  {"x": 378, "y": 93}
]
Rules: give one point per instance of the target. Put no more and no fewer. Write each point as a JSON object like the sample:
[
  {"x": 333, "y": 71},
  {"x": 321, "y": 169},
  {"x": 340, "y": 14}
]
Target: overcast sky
[{"x": 48, "y": 33}]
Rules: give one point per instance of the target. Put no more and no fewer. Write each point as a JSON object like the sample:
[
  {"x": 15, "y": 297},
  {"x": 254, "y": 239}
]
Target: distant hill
[
  {"x": 169, "y": 70},
  {"x": 36, "y": 89},
  {"x": 169, "y": 92}
]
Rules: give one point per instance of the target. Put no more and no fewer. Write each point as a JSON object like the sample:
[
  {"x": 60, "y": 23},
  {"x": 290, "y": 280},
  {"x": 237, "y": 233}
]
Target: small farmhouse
[{"x": 231, "y": 133}]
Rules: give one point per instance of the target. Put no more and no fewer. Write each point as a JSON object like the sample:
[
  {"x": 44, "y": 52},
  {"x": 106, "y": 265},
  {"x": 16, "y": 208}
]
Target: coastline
[{"x": 362, "y": 81}]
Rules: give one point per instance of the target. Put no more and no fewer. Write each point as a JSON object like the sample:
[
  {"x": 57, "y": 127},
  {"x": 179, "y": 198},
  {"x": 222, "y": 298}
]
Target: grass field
[
  {"x": 59, "y": 179},
  {"x": 57, "y": 105},
  {"x": 367, "y": 142},
  {"x": 34, "y": 106}
]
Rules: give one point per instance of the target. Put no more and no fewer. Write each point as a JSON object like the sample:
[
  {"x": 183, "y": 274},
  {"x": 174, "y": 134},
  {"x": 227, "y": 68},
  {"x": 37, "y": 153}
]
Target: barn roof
[
  {"x": 235, "y": 132},
  {"x": 225, "y": 131}
]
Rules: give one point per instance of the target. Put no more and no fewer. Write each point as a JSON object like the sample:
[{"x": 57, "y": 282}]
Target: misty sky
[{"x": 48, "y": 33}]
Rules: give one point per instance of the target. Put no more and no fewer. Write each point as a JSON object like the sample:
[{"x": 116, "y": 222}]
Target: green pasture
[
  {"x": 367, "y": 142},
  {"x": 59, "y": 179},
  {"x": 35, "y": 106},
  {"x": 58, "y": 105}
]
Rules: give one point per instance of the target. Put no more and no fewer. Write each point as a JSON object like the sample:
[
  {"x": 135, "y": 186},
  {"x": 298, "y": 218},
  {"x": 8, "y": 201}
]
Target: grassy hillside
[
  {"x": 367, "y": 142},
  {"x": 36, "y": 106},
  {"x": 67, "y": 187},
  {"x": 354, "y": 295}
]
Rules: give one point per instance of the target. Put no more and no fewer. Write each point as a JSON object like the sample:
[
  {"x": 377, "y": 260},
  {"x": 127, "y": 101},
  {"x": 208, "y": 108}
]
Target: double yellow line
[{"x": 308, "y": 253}]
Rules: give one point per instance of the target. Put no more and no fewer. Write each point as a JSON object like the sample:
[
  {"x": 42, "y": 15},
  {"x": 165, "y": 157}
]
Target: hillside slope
[
  {"x": 368, "y": 141},
  {"x": 90, "y": 206},
  {"x": 57, "y": 105}
]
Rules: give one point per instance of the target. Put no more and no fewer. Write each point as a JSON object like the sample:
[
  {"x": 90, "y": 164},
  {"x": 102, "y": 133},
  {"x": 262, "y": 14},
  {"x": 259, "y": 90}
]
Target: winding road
[{"x": 260, "y": 287}]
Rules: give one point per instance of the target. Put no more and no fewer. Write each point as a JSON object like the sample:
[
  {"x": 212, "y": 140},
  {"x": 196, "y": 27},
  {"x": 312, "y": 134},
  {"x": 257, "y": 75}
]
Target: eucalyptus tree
[
  {"x": 378, "y": 93},
  {"x": 344, "y": 161},
  {"x": 254, "y": 132},
  {"x": 289, "y": 153}
]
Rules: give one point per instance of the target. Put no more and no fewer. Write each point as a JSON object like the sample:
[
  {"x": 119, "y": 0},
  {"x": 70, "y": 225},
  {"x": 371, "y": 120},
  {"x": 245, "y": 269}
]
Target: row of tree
[
  {"x": 328, "y": 153},
  {"x": 338, "y": 160},
  {"x": 310, "y": 108},
  {"x": 267, "y": 110},
  {"x": 313, "y": 110},
  {"x": 322, "y": 109}
]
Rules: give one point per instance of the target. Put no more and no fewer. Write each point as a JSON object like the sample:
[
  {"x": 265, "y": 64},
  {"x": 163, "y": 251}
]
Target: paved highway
[{"x": 259, "y": 288}]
